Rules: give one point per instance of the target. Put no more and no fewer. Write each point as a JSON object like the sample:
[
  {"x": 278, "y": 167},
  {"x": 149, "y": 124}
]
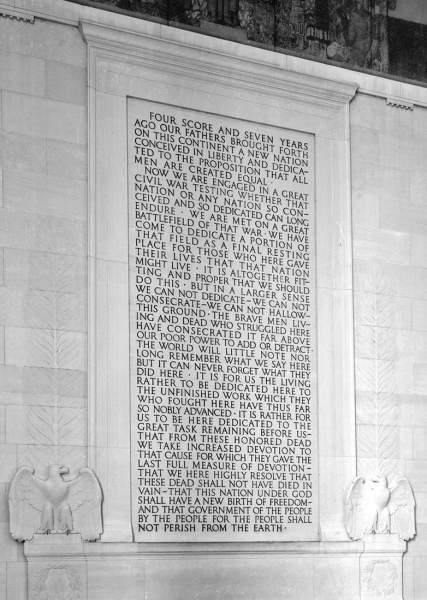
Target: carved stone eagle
[
  {"x": 373, "y": 507},
  {"x": 53, "y": 505}
]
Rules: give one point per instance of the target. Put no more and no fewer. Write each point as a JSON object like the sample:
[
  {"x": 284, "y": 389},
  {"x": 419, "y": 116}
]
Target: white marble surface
[
  {"x": 44, "y": 250},
  {"x": 198, "y": 81}
]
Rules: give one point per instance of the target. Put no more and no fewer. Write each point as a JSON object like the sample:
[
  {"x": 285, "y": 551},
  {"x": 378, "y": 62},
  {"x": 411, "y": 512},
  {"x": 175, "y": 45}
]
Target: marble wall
[
  {"x": 43, "y": 160},
  {"x": 389, "y": 147},
  {"x": 43, "y": 290}
]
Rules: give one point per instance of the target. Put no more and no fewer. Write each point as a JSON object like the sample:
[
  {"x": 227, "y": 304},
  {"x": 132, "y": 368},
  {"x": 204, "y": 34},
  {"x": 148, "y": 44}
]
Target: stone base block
[{"x": 62, "y": 567}]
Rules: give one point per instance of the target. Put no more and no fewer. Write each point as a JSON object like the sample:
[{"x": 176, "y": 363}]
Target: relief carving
[
  {"x": 55, "y": 505},
  {"x": 380, "y": 578},
  {"x": 372, "y": 507},
  {"x": 59, "y": 582}
]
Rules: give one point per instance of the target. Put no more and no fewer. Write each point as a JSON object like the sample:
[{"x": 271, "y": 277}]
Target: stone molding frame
[{"x": 163, "y": 64}]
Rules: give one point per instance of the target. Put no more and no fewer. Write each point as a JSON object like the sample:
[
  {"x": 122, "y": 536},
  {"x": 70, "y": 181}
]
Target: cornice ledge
[
  {"x": 399, "y": 103},
  {"x": 249, "y": 71},
  {"x": 10, "y": 12},
  {"x": 65, "y": 548}
]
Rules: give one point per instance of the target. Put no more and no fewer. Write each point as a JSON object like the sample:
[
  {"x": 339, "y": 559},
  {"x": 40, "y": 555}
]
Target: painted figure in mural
[
  {"x": 359, "y": 34},
  {"x": 379, "y": 48},
  {"x": 223, "y": 11}
]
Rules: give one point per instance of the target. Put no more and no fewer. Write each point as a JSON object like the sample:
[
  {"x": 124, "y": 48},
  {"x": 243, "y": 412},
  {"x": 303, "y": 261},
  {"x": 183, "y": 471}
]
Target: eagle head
[
  {"x": 378, "y": 490},
  {"x": 56, "y": 471},
  {"x": 376, "y": 482}
]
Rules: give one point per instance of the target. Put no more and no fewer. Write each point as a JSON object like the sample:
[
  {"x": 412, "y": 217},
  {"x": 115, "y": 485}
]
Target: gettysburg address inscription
[{"x": 221, "y": 327}]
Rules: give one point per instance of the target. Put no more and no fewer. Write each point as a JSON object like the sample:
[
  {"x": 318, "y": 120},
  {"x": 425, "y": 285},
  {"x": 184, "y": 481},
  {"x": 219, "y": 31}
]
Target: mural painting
[{"x": 352, "y": 33}]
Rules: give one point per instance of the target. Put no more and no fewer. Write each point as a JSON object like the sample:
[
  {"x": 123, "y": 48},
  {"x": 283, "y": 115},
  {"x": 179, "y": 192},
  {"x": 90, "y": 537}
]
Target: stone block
[
  {"x": 45, "y": 233},
  {"x": 47, "y": 576},
  {"x": 420, "y": 577},
  {"x": 416, "y": 471},
  {"x": 45, "y": 194},
  {"x": 336, "y": 473},
  {"x": 255, "y": 578},
  {"x": 20, "y": 73},
  {"x": 2, "y": 345},
  {"x": 365, "y": 142},
  {"x": 47, "y": 40},
  {"x": 27, "y": 308},
  {"x": 45, "y": 348},
  {"x": 4, "y": 509},
  {"x": 402, "y": 380},
  {"x": 419, "y": 315},
  {"x": 384, "y": 442},
  {"x": 41, "y": 456},
  {"x": 16, "y": 581},
  {"x": 7, "y": 462},
  {"x": 31, "y": 399},
  {"x": 30, "y": 347},
  {"x": 2, "y": 424},
  {"x": 368, "y": 111},
  {"x": 37, "y": 309},
  {"x": 336, "y": 578},
  {"x": 400, "y": 215},
  {"x": 44, "y": 425},
  {"x": 8, "y": 546},
  {"x": 420, "y": 290},
  {"x": 420, "y": 122},
  {"x": 419, "y": 249},
  {"x": 377, "y": 409},
  {"x": 71, "y": 383},
  {"x": 46, "y": 382},
  {"x": 44, "y": 271},
  {"x": 71, "y": 312},
  {"x": 67, "y": 83},
  {"x": 22, "y": 152},
  {"x": 395, "y": 344},
  {"x": 377, "y": 191},
  {"x": 70, "y": 350},
  {"x": 408, "y": 577},
  {"x": 365, "y": 339},
  {"x": 381, "y": 567},
  {"x": 420, "y": 378},
  {"x": 366, "y": 207},
  {"x": 66, "y": 160},
  {"x": 1, "y": 266},
  {"x": 44, "y": 117},
  {"x": 3, "y": 580},
  {"x": 396, "y": 151},
  {"x": 367, "y": 441},
  {"x": 107, "y": 579},
  {"x": 385, "y": 279},
  {"x": 418, "y": 546},
  {"x": 366, "y": 408},
  {"x": 384, "y": 246},
  {"x": 406, "y": 443},
  {"x": 375, "y": 375},
  {"x": 413, "y": 409},
  {"x": 382, "y": 311},
  {"x": 421, "y": 507},
  {"x": 390, "y": 467}
]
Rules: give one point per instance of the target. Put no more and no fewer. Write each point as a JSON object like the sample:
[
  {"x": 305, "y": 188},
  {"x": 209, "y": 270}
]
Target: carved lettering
[{"x": 221, "y": 248}]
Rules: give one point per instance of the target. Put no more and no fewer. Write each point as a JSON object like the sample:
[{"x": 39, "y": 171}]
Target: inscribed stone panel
[{"x": 222, "y": 327}]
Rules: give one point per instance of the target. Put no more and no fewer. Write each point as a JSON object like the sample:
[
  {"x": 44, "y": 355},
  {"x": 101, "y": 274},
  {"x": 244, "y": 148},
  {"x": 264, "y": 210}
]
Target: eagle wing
[
  {"x": 402, "y": 510},
  {"x": 26, "y": 501},
  {"x": 85, "y": 499},
  {"x": 359, "y": 513}
]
